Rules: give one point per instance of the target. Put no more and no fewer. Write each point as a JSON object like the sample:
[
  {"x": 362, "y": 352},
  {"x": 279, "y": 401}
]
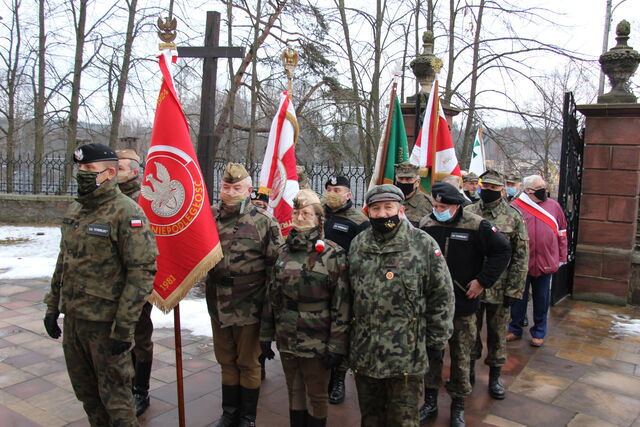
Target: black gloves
[
  {"x": 434, "y": 354},
  {"x": 332, "y": 360},
  {"x": 509, "y": 301},
  {"x": 267, "y": 353},
  {"x": 51, "y": 325},
  {"x": 119, "y": 347}
]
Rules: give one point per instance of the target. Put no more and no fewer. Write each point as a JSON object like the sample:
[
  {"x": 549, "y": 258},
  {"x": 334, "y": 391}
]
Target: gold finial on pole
[
  {"x": 167, "y": 33},
  {"x": 290, "y": 61}
]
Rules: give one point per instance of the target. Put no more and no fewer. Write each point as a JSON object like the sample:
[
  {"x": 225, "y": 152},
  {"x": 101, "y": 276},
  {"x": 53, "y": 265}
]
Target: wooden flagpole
[
  {"x": 484, "y": 159},
  {"x": 179, "y": 379},
  {"x": 387, "y": 133}
]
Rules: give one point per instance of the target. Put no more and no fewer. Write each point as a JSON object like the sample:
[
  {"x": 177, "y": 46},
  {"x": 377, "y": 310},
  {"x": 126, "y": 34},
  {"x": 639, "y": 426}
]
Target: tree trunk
[
  {"x": 72, "y": 125},
  {"x": 467, "y": 141},
  {"x": 123, "y": 78},
  {"x": 251, "y": 145},
  {"x": 448, "y": 93},
  {"x": 38, "y": 149},
  {"x": 223, "y": 121},
  {"x": 229, "y": 144},
  {"x": 375, "y": 80}
]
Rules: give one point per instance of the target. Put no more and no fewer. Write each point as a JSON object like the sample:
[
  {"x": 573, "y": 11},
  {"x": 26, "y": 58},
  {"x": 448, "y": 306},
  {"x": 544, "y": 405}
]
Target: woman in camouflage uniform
[{"x": 307, "y": 311}]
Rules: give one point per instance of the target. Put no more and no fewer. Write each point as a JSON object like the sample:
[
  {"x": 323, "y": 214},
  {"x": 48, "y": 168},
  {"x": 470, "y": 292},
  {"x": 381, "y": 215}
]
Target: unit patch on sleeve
[
  {"x": 99, "y": 230},
  {"x": 135, "y": 222}
]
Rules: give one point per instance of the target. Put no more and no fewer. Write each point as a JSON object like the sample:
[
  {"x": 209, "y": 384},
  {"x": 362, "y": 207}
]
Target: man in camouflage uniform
[
  {"x": 142, "y": 354},
  {"x": 308, "y": 311},
  {"x": 103, "y": 277},
  {"x": 513, "y": 187},
  {"x": 476, "y": 255},
  {"x": 416, "y": 203},
  {"x": 470, "y": 186},
  {"x": 235, "y": 292},
  {"x": 342, "y": 223},
  {"x": 402, "y": 300},
  {"x": 497, "y": 300}
]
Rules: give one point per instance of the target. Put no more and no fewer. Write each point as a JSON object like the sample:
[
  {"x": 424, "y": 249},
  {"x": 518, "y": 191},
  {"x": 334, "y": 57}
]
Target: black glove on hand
[
  {"x": 332, "y": 360},
  {"x": 434, "y": 354},
  {"x": 119, "y": 347},
  {"x": 267, "y": 353},
  {"x": 51, "y": 325},
  {"x": 509, "y": 301}
]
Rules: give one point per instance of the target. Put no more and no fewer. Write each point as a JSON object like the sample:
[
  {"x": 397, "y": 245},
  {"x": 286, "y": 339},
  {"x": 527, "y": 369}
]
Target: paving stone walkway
[{"x": 586, "y": 374}]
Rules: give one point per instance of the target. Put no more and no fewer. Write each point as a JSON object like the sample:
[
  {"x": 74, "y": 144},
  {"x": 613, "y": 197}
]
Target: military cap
[
  {"x": 128, "y": 153},
  {"x": 446, "y": 193},
  {"x": 234, "y": 172},
  {"x": 90, "y": 153},
  {"x": 384, "y": 193},
  {"x": 492, "y": 177},
  {"x": 259, "y": 196},
  {"x": 304, "y": 198},
  {"x": 337, "y": 181},
  {"x": 512, "y": 178},
  {"x": 470, "y": 177},
  {"x": 407, "y": 170}
]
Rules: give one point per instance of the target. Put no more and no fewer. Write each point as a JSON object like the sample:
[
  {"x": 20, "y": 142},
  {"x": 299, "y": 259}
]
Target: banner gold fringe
[{"x": 197, "y": 273}]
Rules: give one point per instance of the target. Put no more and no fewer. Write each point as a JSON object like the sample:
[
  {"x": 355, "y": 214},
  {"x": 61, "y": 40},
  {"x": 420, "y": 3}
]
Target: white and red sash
[{"x": 525, "y": 203}]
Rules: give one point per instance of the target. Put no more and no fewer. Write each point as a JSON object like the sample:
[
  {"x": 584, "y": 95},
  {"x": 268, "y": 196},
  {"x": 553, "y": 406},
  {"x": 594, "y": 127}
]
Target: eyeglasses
[{"x": 305, "y": 215}]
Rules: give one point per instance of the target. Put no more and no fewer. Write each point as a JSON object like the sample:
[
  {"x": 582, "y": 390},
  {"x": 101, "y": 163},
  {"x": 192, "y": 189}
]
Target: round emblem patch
[
  {"x": 279, "y": 184},
  {"x": 172, "y": 191},
  {"x": 390, "y": 275}
]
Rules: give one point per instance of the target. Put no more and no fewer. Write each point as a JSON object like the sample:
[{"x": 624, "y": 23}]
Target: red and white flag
[
  {"x": 434, "y": 146},
  {"x": 174, "y": 197},
  {"x": 279, "y": 176}
]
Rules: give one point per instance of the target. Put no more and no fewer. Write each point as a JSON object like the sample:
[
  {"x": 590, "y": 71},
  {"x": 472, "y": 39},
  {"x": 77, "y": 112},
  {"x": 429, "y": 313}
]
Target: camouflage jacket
[
  {"x": 131, "y": 188},
  {"x": 473, "y": 249},
  {"x": 417, "y": 207},
  {"x": 402, "y": 299},
  {"x": 250, "y": 239},
  {"x": 107, "y": 261},
  {"x": 307, "y": 309},
  {"x": 344, "y": 224},
  {"x": 510, "y": 223}
]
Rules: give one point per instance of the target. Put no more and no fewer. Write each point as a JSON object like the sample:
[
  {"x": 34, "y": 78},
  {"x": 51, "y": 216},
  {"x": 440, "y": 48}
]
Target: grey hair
[
  {"x": 453, "y": 180},
  {"x": 249, "y": 181},
  {"x": 530, "y": 181}
]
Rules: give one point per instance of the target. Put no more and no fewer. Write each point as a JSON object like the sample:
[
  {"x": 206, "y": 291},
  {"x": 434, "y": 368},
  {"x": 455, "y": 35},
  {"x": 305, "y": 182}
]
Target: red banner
[{"x": 174, "y": 197}]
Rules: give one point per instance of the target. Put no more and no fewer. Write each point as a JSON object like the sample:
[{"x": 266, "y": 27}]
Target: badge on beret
[
  {"x": 389, "y": 275},
  {"x": 78, "y": 155},
  {"x": 333, "y": 180},
  {"x": 136, "y": 223},
  {"x": 439, "y": 197}
]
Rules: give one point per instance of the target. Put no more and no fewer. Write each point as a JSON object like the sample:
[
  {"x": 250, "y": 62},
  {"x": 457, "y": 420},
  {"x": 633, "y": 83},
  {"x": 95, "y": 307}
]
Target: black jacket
[
  {"x": 344, "y": 224},
  {"x": 473, "y": 250}
]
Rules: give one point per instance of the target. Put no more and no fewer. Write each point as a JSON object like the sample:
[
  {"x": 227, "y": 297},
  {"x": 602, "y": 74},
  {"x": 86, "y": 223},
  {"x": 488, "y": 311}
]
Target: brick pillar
[{"x": 609, "y": 204}]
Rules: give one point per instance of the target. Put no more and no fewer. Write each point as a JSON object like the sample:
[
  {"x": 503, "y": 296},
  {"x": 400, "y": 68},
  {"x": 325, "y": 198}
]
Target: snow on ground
[
  {"x": 193, "y": 316},
  {"x": 32, "y": 259},
  {"x": 625, "y": 325}
]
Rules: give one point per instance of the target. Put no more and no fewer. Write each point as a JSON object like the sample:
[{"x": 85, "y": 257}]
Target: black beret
[
  {"x": 260, "y": 197},
  {"x": 338, "y": 181},
  {"x": 90, "y": 153},
  {"x": 446, "y": 193}
]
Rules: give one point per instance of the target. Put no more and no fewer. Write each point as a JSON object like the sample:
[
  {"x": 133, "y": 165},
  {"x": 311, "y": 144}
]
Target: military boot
[
  {"x": 472, "y": 372},
  {"x": 315, "y": 422},
  {"x": 430, "y": 407},
  {"x": 457, "y": 412},
  {"x": 230, "y": 406},
  {"x": 248, "y": 406},
  {"x": 496, "y": 389},
  {"x": 336, "y": 394},
  {"x": 298, "y": 418},
  {"x": 141, "y": 387}
]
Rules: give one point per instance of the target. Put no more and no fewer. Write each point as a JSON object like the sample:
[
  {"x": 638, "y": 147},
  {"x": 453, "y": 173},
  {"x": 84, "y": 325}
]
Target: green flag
[{"x": 392, "y": 149}]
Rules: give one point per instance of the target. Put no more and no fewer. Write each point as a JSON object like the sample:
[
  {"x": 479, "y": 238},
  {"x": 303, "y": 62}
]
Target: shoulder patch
[
  {"x": 494, "y": 228},
  {"x": 135, "y": 222},
  {"x": 437, "y": 252}
]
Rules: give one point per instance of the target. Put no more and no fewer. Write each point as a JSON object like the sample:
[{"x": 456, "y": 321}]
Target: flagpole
[
  {"x": 290, "y": 61},
  {"x": 484, "y": 159},
  {"x": 387, "y": 133},
  {"x": 434, "y": 135},
  {"x": 167, "y": 34}
]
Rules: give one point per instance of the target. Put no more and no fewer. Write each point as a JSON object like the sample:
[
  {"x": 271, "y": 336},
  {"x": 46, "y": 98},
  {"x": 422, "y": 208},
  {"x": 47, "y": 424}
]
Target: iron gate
[{"x": 569, "y": 193}]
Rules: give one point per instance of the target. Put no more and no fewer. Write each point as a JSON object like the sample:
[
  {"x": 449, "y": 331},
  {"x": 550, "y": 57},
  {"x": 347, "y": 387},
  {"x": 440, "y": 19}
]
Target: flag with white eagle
[{"x": 279, "y": 177}]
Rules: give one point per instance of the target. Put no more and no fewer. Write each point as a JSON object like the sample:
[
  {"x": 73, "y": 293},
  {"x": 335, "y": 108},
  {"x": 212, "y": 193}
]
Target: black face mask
[
  {"x": 489, "y": 196},
  {"x": 405, "y": 188},
  {"x": 385, "y": 225},
  {"x": 541, "y": 194}
]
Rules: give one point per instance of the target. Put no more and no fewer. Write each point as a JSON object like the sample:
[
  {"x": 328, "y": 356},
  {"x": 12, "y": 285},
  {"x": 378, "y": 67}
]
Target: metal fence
[{"x": 17, "y": 176}]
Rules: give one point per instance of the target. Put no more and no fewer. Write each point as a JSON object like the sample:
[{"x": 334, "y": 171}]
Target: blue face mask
[
  {"x": 511, "y": 191},
  {"x": 442, "y": 216}
]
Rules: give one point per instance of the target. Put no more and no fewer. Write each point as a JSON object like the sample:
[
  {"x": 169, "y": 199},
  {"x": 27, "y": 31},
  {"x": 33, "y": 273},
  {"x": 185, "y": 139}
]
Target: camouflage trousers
[
  {"x": 461, "y": 345},
  {"x": 102, "y": 382},
  {"x": 497, "y": 321},
  {"x": 389, "y": 401},
  {"x": 307, "y": 382},
  {"x": 143, "y": 348},
  {"x": 237, "y": 349}
]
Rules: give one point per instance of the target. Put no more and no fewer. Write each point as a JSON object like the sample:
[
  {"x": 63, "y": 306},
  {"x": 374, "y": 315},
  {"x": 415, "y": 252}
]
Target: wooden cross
[{"x": 210, "y": 52}]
